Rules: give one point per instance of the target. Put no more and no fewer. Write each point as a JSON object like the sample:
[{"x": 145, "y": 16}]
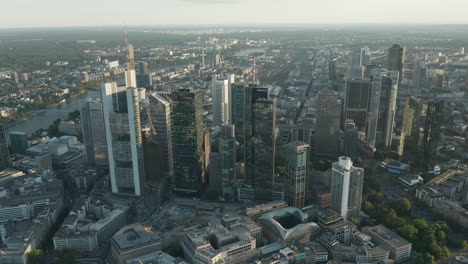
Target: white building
[
  {"x": 221, "y": 100},
  {"x": 346, "y": 188}
]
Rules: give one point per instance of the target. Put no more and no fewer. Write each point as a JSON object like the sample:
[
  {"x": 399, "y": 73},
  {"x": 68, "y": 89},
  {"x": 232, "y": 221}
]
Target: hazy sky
[{"x": 45, "y": 13}]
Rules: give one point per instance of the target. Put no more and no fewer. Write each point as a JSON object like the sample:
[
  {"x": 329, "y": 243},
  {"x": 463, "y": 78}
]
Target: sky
[{"x": 65, "y": 13}]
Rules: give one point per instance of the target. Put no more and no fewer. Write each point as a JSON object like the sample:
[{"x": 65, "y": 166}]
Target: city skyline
[{"x": 54, "y": 13}]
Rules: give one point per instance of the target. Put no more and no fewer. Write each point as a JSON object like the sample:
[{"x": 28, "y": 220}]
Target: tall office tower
[
  {"x": 237, "y": 110},
  {"x": 5, "y": 161},
  {"x": 354, "y": 68},
  {"x": 296, "y": 173},
  {"x": 221, "y": 100},
  {"x": 94, "y": 132},
  {"x": 351, "y": 142},
  {"x": 160, "y": 112},
  {"x": 357, "y": 98},
  {"x": 143, "y": 78},
  {"x": 382, "y": 108},
  {"x": 432, "y": 117},
  {"x": 328, "y": 125},
  {"x": 365, "y": 58},
  {"x": 332, "y": 70},
  {"x": 187, "y": 136},
  {"x": 227, "y": 160},
  {"x": 409, "y": 125},
  {"x": 18, "y": 142},
  {"x": 419, "y": 76},
  {"x": 396, "y": 57},
  {"x": 259, "y": 151},
  {"x": 142, "y": 67},
  {"x": 346, "y": 188},
  {"x": 124, "y": 138}
]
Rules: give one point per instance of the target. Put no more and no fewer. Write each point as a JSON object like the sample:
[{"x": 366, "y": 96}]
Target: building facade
[
  {"x": 188, "y": 138},
  {"x": 124, "y": 139},
  {"x": 346, "y": 188},
  {"x": 296, "y": 173},
  {"x": 328, "y": 125},
  {"x": 5, "y": 161},
  {"x": 94, "y": 132},
  {"x": 259, "y": 152}
]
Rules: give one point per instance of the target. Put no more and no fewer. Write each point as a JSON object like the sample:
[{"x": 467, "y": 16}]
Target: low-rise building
[
  {"x": 134, "y": 242},
  {"x": 400, "y": 248}
]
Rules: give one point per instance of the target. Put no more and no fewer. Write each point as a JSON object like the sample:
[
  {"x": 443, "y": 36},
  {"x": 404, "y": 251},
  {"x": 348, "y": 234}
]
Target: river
[{"x": 44, "y": 118}]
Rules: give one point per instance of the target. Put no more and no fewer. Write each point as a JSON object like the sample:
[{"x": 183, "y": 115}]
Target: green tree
[
  {"x": 420, "y": 224},
  {"x": 35, "y": 256},
  {"x": 67, "y": 256},
  {"x": 425, "y": 259},
  {"x": 401, "y": 205},
  {"x": 408, "y": 231}
]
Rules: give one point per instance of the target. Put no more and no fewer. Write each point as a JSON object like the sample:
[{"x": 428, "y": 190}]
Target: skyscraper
[
  {"x": 346, "y": 188},
  {"x": 296, "y": 173},
  {"x": 221, "y": 100},
  {"x": 124, "y": 139},
  {"x": 94, "y": 132},
  {"x": 227, "y": 160},
  {"x": 328, "y": 125},
  {"x": 187, "y": 135},
  {"x": 365, "y": 57},
  {"x": 396, "y": 57},
  {"x": 160, "y": 112},
  {"x": 382, "y": 109},
  {"x": 432, "y": 117},
  {"x": 357, "y": 99},
  {"x": 5, "y": 161},
  {"x": 409, "y": 125},
  {"x": 259, "y": 129},
  {"x": 18, "y": 142},
  {"x": 237, "y": 110}
]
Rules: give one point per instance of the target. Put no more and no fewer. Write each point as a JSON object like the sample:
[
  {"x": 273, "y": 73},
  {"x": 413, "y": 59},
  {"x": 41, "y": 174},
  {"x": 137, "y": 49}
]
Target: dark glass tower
[
  {"x": 357, "y": 100},
  {"x": 328, "y": 125},
  {"x": 259, "y": 128},
  {"x": 187, "y": 134},
  {"x": 18, "y": 142},
  {"x": 5, "y": 161},
  {"x": 237, "y": 105}
]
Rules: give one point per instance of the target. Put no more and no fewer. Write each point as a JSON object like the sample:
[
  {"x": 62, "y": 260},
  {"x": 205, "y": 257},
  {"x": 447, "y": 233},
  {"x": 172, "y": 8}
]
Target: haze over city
[{"x": 56, "y": 13}]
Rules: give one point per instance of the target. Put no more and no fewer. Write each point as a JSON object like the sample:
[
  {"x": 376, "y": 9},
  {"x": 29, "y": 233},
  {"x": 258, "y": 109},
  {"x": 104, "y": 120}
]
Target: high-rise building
[
  {"x": 419, "y": 76},
  {"x": 296, "y": 173},
  {"x": 365, "y": 58},
  {"x": 160, "y": 112},
  {"x": 346, "y": 188},
  {"x": 396, "y": 57},
  {"x": 94, "y": 132},
  {"x": 432, "y": 117},
  {"x": 382, "y": 108},
  {"x": 354, "y": 69},
  {"x": 221, "y": 100},
  {"x": 237, "y": 110},
  {"x": 357, "y": 99},
  {"x": 124, "y": 138},
  {"x": 328, "y": 125},
  {"x": 188, "y": 138},
  {"x": 351, "y": 142},
  {"x": 18, "y": 142},
  {"x": 227, "y": 160},
  {"x": 5, "y": 161},
  {"x": 332, "y": 70},
  {"x": 259, "y": 151},
  {"x": 409, "y": 125}
]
